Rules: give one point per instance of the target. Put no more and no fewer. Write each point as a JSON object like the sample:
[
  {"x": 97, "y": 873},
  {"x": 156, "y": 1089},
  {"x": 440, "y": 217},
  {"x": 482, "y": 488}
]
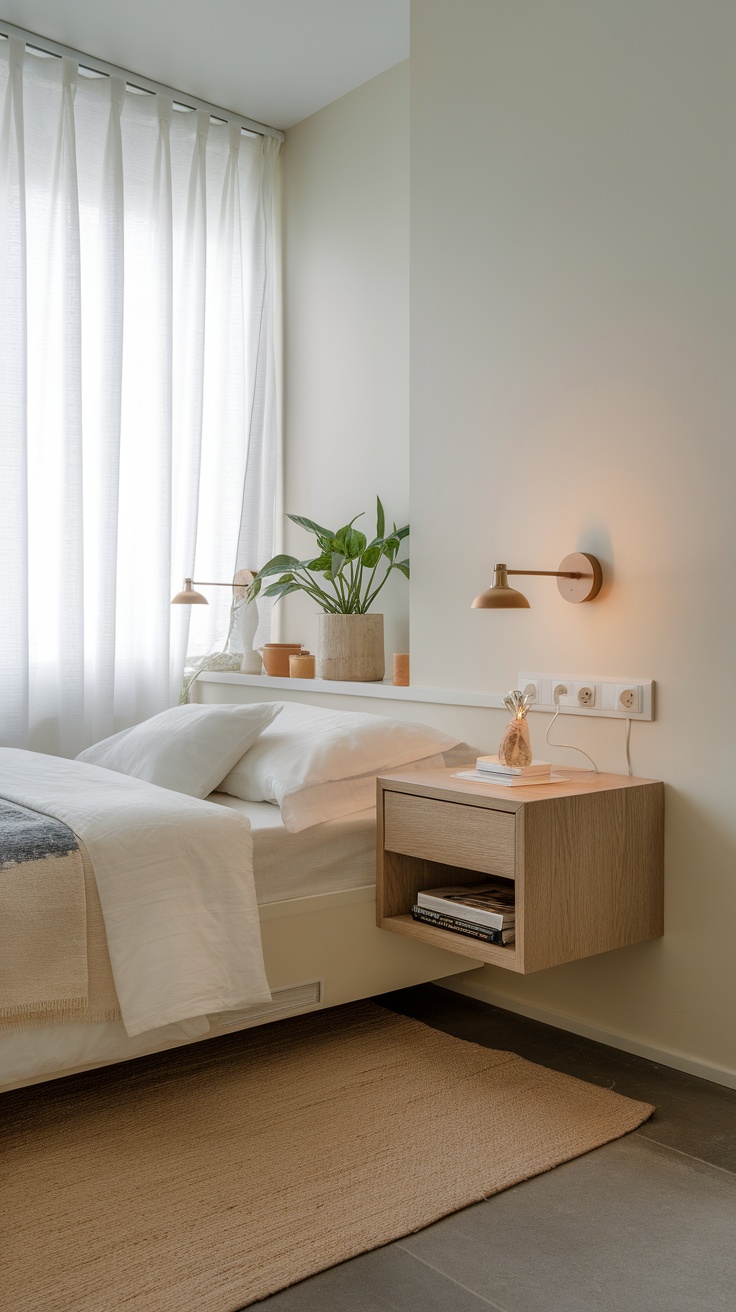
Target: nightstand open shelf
[{"x": 586, "y": 857}]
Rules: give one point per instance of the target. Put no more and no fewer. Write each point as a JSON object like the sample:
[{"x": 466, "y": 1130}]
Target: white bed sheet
[{"x": 327, "y": 858}]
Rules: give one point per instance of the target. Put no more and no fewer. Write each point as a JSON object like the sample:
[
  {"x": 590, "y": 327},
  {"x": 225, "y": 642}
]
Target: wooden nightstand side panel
[
  {"x": 402, "y": 878},
  {"x": 590, "y": 874},
  {"x": 470, "y": 837}
]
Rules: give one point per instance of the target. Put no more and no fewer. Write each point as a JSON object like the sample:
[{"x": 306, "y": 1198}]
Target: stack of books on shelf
[{"x": 483, "y": 911}]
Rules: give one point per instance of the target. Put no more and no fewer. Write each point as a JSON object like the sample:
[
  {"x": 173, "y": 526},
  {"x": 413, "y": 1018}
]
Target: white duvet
[{"x": 175, "y": 878}]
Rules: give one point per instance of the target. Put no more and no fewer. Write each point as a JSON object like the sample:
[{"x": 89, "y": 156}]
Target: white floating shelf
[{"x": 384, "y": 689}]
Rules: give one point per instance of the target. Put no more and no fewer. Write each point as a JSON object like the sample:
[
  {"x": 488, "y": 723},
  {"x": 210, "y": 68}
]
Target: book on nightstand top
[
  {"x": 492, "y": 765},
  {"x": 510, "y": 780}
]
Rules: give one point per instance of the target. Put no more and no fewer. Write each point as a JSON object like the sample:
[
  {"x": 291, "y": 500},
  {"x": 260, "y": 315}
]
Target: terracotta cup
[
  {"x": 301, "y": 666},
  {"x": 401, "y": 669}
]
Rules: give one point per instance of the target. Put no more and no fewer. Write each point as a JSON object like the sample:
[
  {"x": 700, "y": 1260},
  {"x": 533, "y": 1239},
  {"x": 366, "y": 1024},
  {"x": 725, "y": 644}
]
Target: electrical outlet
[
  {"x": 532, "y": 691},
  {"x": 614, "y": 698},
  {"x": 628, "y": 697},
  {"x": 585, "y": 694}
]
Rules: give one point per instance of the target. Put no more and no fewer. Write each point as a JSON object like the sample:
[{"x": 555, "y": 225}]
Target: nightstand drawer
[{"x": 470, "y": 837}]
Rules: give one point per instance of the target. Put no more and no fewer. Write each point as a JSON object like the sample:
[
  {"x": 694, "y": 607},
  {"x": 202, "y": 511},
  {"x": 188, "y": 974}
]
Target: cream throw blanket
[
  {"x": 169, "y": 895},
  {"x": 54, "y": 963}
]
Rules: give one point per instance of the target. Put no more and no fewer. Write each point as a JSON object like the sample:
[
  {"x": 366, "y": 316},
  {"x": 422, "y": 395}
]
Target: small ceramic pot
[{"x": 276, "y": 657}]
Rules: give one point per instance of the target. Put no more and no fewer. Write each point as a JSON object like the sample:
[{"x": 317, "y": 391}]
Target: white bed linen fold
[
  {"x": 175, "y": 878},
  {"x": 328, "y": 858}
]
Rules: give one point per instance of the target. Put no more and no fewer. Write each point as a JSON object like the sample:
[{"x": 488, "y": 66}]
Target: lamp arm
[{"x": 550, "y": 573}]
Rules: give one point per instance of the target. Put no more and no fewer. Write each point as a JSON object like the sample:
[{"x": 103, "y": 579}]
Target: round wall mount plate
[
  {"x": 242, "y": 580},
  {"x": 588, "y": 585}
]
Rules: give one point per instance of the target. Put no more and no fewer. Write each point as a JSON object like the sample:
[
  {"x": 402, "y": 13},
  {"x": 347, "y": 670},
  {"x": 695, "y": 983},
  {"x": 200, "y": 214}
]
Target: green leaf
[
  {"x": 277, "y": 565},
  {"x": 354, "y": 543},
  {"x": 380, "y": 519},
  {"x": 252, "y": 591},
  {"x": 403, "y": 565},
  {"x": 371, "y": 556},
  {"x": 280, "y": 589},
  {"x": 342, "y": 537},
  {"x": 390, "y": 546},
  {"x": 342, "y": 531},
  {"x": 402, "y": 532},
  {"x": 338, "y": 560},
  {"x": 310, "y": 525},
  {"x": 321, "y": 562}
]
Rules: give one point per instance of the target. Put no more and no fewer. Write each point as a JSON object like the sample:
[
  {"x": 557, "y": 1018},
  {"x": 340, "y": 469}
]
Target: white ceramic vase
[{"x": 251, "y": 662}]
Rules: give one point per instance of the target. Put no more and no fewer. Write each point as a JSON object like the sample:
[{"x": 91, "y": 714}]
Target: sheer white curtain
[{"x": 137, "y": 392}]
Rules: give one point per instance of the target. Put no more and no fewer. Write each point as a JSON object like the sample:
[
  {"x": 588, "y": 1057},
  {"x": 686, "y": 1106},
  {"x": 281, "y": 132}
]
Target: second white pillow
[{"x": 318, "y": 764}]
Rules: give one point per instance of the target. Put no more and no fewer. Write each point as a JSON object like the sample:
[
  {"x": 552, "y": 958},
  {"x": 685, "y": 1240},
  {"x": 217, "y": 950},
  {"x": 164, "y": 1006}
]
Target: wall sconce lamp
[
  {"x": 579, "y": 578},
  {"x": 189, "y": 597}
]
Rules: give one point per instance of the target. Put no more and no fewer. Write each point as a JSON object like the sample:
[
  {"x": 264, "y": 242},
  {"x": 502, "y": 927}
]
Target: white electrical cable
[
  {"x": 627, "y": 737},
  {"x": 559, "y": 692}
]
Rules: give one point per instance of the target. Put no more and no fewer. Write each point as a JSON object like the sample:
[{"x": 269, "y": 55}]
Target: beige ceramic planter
[{"x": 350, "y": 647}]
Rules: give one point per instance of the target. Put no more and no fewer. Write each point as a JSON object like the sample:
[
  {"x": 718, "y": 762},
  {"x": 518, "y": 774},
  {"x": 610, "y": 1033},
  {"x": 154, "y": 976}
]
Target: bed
[{"x": 314, "y": 886}]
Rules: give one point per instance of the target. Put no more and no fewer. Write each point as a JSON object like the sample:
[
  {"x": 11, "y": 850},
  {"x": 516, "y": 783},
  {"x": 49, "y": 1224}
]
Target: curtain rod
[{"x": 133, "y": 80}]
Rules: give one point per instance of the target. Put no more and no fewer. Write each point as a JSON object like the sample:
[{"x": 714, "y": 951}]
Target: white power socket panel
[{"x": 612, "y": 698}]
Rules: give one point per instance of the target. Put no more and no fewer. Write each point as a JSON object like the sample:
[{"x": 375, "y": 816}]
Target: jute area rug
[{"x": 207, "y": 1178}]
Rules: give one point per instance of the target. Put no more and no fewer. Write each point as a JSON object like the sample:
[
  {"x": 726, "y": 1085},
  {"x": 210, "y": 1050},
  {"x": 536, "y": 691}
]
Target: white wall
[
  {"x": 573, "y": 337},
  {"x": 346, "y": 278}
]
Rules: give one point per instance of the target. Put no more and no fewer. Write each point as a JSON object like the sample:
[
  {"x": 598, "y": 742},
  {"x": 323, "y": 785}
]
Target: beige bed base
[
  {"x": 319, "y": 951},
  {"x": 334, "y": 938}
]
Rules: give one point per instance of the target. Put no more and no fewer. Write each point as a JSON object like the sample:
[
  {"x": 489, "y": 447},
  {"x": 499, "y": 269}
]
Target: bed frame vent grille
[{"x": 284, "y": 1002}]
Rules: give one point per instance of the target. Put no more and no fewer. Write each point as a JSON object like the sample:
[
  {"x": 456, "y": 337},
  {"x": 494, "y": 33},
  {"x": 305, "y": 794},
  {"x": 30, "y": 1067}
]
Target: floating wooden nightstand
[{"x": 586, "y": 858}]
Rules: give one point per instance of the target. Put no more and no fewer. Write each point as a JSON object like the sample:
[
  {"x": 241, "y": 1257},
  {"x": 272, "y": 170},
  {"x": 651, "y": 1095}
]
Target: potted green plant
[{"x": 344, "y": 578}]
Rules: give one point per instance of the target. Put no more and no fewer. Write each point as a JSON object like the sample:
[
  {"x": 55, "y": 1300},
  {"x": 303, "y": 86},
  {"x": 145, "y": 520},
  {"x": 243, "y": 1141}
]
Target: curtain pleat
[
  {"x": 102, "y": 217},
  {"x": 136, "y": 367},
  {"x": 14, "y": 637},
  {"x": 190, "y": 285},
  {"x": 257, "y": 508}
]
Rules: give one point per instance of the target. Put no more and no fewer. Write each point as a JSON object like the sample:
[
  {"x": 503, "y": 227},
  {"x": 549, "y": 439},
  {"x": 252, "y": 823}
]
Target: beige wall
[
  {"x": 346, "y": 278},
  {"x": 573, "y": 337},
  {"x": 573, "y": 331}
]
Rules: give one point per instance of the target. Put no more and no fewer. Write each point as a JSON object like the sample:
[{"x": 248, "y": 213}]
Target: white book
[
  {"x": 492, "y": 765},
  {"x": 511, "y": 780}
]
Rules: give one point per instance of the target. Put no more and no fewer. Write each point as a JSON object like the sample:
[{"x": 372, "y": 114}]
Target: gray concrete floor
[{"x": 645, "y": 1224}]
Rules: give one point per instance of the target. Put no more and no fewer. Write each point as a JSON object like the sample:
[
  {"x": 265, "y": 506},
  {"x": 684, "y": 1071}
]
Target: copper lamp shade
[
  {"x": 500, "y": 596},
  {"x": 579, "y": 578},
  {"x": 188, "y": 596}
]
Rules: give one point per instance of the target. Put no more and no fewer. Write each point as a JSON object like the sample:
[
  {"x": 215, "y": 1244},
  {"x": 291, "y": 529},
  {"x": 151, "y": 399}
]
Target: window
[{"x": 138, "y": 427}]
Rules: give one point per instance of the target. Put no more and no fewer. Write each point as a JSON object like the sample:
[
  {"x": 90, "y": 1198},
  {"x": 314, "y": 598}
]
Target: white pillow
[
  {"x": 188, "y": 749},
  {"x": 318, "y": 765}
]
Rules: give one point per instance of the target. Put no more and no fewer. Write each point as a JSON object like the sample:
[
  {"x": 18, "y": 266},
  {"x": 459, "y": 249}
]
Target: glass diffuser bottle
[{"x": 515, "y": 749}]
